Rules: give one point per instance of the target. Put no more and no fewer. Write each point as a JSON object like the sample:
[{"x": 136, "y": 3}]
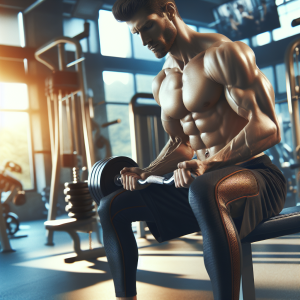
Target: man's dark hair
[{"x": 124, "y": 10}]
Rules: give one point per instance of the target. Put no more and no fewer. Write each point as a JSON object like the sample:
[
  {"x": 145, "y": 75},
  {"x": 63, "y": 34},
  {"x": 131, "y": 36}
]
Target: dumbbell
[{"x": 105, "y": 177}]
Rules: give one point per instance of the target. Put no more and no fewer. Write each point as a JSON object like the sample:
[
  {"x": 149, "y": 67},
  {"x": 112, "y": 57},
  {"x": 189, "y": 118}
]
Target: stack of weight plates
[{"x": 80, "y": 202}]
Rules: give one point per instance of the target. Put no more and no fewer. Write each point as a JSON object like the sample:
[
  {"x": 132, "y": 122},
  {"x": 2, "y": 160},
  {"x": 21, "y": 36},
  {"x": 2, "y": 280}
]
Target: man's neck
[{"x": 186, "y": 44}]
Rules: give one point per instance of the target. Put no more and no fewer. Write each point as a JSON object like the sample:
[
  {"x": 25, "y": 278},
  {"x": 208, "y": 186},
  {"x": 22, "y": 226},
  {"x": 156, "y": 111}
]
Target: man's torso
[{"x": 190, "y": 95}]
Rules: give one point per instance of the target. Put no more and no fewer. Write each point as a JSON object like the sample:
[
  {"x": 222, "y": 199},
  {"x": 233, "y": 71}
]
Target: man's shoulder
[{"x": 229, "y": 54}]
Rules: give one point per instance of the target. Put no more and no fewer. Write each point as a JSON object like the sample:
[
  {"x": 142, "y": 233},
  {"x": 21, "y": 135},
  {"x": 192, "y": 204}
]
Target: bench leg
[
  {"x": 140, "y": 229},
  {"x": 247, "y": 290},
  {"x": 82, "y": 254}
]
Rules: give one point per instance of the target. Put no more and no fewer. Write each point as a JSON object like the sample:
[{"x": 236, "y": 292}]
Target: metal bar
[
  {"x": 54, "y": 43},
  {"x": 75, "y": 123},
  {"x": 247, "y": 291},
  {"x": 55, "y": 172},
  {"x": 32, "y": 6},
  {"x": 51, "y": 126},
  {"x": 75, "y": 62},
  {"x": 60, "y": 118},
  {"x": 150, "y": 137},
  {"x": 61, "y": 57},
  {"x": 69, "y": 122}
]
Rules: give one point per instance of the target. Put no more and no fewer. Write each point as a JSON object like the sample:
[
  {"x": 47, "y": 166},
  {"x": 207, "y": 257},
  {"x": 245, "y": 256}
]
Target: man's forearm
[
  {"x": 241, "y": 148},
  {"x": 173, "y": 153}
]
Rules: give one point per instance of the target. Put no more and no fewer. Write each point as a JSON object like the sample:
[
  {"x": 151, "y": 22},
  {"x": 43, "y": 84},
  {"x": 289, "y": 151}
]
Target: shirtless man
[{"x": 217, "y": 104}]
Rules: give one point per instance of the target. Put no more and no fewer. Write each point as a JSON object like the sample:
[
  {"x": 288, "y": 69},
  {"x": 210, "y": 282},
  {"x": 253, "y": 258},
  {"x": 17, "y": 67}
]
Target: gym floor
[{"x": 168, "y": 271}]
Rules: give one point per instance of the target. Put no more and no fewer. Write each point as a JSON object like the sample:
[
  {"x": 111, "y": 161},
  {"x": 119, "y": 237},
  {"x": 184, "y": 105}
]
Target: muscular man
[{"x": 217, "y": 104}]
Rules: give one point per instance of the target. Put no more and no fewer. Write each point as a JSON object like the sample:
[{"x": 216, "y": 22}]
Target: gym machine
[
  {"x": 9, "y": 221},
  {"x": 67, "y": 101},
  {"x": 292, "y": 61}
]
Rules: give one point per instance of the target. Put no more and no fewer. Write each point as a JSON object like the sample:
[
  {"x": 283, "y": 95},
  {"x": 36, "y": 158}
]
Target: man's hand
[
  {"x": 130, "y": 177},
  {"x": 182, "y": 176}
]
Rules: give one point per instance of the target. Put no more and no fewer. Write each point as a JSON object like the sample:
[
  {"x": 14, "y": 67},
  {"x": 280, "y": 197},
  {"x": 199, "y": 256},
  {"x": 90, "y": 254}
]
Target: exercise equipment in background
[
  {"x": 9, "y": 221},
  {"x": 292, "y": 61},
  {"x": 80, "y": 208}
]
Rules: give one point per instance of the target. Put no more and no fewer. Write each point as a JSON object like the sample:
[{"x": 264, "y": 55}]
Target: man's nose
[{"x": 145, "y": 39}]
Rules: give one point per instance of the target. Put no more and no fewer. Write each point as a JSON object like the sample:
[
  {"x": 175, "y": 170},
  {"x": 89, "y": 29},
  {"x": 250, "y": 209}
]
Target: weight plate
[
  {"x": 91, "y": 179},
  {"x": 79, "y": 209},
  {"x": 78, "y": 192},
  {"x": 98, "y": 179},
  {"x": 110, "y": 170},
  {"x": 84, "y": 215},
  {"x": 12, "y": 223},
  {"x": 76, "y": 185},
  {"x": 94, "y": 180},
  {"x": 78, "y": 198},
  {"x": 82, "y": 203}
]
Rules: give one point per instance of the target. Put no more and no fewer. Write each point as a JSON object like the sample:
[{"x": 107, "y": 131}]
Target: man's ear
[{"x": 170, "y": 10}]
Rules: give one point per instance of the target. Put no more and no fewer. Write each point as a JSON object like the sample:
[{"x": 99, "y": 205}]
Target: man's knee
[
  {"x": 201, "y": 190},
  {"x": 104, "y": 209}
]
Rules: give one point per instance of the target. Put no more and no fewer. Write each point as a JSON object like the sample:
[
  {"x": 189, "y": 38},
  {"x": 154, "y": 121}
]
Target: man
[{"x": 216, "y": 103}]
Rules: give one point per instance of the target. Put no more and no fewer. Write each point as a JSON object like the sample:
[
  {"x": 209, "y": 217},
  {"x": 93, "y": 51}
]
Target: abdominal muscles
[{"x": 211, "y": 130}]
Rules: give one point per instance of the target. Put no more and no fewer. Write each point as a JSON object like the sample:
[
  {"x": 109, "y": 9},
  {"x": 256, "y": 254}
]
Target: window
[
  {"x": 74, "y": 26},
  {"x": 15, "y": 130},
  {"x": 287, "y": 12},
  {"x": 246, "y": 41},
  {"x": 280, "y": 74},
  {"x": 144, "y": 83},
  {"x": 269, "y": 73},
  {"x": 262, "y": 39},
  {"x": 192, "y": 27},
  {"x": 11, "y": 25},
  {"x": 207, "y": 30},
  {"x": 114, "y": 36},
  {"x": 119, "y": 88}
]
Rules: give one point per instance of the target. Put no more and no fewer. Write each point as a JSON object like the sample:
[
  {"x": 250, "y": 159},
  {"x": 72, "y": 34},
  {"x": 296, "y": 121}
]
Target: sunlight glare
[
  {"x": 13, "y": 95},
  {"x": 114, "y": 36}
]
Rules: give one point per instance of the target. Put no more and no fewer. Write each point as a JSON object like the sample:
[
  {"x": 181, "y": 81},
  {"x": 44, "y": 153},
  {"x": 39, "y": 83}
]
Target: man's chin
[{"x": 160, "y": 54}]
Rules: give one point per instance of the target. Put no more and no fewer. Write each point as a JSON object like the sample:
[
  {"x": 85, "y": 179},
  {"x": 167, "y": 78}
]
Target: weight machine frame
[
  {"x": 55, "y": 120},
  {"x": 293, "y": 93}
]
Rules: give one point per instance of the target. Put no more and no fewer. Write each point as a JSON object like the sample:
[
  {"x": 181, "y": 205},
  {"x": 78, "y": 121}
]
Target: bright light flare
[
  {"x": 114, "y": 36},
  {"x": 13, "y": 96}
]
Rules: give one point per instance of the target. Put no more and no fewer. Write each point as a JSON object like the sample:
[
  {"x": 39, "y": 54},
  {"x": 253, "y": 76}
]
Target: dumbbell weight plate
[
  {"x": 79, "y": 216},
  {"x": 75, "y": 192},
  {"x": 78, "y": 198},
  {"x": 76, "y": 185},
  {"x": 79, "y": 209},
  {"x": 82, "y": 203},
  {"x": 93, "y": 180}
]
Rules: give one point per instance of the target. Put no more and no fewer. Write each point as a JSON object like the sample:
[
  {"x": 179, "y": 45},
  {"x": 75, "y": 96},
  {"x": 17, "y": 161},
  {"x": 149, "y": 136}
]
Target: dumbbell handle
[{"x": 151, "y": 179}]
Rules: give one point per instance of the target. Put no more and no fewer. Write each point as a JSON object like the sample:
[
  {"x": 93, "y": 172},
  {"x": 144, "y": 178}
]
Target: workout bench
[{"x": 287, "y": 222}]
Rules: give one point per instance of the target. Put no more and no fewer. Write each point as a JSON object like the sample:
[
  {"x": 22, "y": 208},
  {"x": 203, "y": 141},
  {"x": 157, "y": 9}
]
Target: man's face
[{"x": 156, "y": 32}]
